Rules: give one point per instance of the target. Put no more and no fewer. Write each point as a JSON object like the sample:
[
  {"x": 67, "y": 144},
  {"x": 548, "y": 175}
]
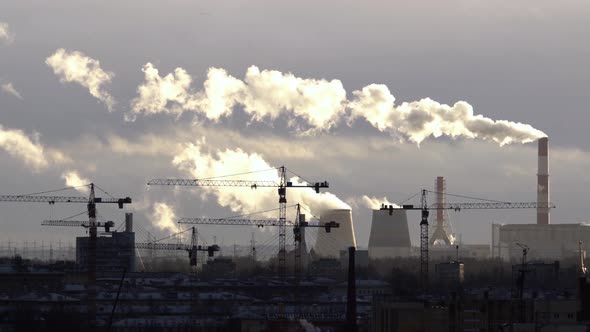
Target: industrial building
[
  {"x": 390, "y": 236},
  {"x": 330, "y": 244},
  {"x": 115, "y": 251},
  {"x": 545, "y": 240}
]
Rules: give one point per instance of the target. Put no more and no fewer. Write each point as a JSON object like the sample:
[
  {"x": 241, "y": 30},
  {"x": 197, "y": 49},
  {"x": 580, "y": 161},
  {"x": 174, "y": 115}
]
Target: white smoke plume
[
  {"x": 78, "y": 68},
  {"x": 6, "y": 36},
  {"x": 73, "y": 179},
  {"x": 264, "y": 95},
  {"x": 28, "y": 149},
  {"x": 164, "y": 217},
  {"x": 201, "y": 164},
  {"x": 319, "y": 104},
  {"x": 375, "y": 203},
  {"x": 9, "y": 89},
  {"x": 421, "y": 119}
]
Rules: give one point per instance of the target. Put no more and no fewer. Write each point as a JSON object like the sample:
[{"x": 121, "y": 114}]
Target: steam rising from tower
[{"x": 543, "y": 183}]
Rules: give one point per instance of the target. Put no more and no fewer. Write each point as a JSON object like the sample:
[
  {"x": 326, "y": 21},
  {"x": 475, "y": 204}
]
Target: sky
[{"x": 377, "y": 98}]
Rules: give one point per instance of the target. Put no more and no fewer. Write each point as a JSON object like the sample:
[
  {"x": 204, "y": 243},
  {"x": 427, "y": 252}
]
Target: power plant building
[
  {"x": 341, "y": 238},
  {"x": 114, "y": 252},
  {"x": 390, "y": 235},
  {"x": 545, "y": 242}
]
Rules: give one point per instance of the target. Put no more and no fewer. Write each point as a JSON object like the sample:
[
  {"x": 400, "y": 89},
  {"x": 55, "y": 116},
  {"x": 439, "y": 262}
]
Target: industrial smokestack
[
  {"x": 351, "y": 292},
  {"x": 129, "y": 222},
  {"x": 543, "y": 183},
  {"x": 441, "y": 188}
]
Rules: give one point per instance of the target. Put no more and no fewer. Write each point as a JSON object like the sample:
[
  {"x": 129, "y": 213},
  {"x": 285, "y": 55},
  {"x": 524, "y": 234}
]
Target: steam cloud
[
  {"x": 263, "y": 94},
  {"x": 319, "y": 105},
  {"x": 28, "y": 150},
  {"x": 421, "y": 119},
  {"x": 78, "y": 68},
  {"x": 201, "y": 164},
  {"x": 5, "y": 35},
  {"x": 73, "y": 179},
  {"x": 9, "y": 88},
  {"x": 164, "y": 217},
  {"x": 374, "y": 203}
]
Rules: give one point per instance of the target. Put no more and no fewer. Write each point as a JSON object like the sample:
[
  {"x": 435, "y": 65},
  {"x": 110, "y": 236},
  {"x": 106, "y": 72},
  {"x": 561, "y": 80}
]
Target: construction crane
[
  {"x": 193, "y": 248},
  {"x": 282, "y": 186},
  {"x": 520, "y": 281},
  {"x": 425, "y": 208},
  {"x": 78, "y": 223},
  {"x": 298, "y": 228},
  {"x": 90, "y": 202}
]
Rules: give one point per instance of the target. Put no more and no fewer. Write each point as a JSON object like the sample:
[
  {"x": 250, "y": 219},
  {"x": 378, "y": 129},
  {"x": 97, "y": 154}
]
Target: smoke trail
[
  {"x": 201, "y": 164},
  {"x": 374, "y": 203},
  {"x": 318, "y": 105},
  {"x": 78, "y": 68},
  {"x": 264, "y": 95},
  {"x": 421, "y": 119}
]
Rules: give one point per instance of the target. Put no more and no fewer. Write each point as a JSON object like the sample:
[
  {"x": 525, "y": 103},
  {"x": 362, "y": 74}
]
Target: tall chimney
[
  {"x": 441, "y": 188},
  {"x": 543, "y": 183},
  {"x": 351, "y": 292},
  {"x": 128, "y": 222}
]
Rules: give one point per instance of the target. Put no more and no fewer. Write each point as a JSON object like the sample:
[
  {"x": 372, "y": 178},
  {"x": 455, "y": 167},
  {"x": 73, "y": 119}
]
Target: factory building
[
  {"x": 390, "y": 236},
  {"x": 545, "y": 241},
  {"x": 115, "y": 251},
  {"x": 330, "y": 244}
]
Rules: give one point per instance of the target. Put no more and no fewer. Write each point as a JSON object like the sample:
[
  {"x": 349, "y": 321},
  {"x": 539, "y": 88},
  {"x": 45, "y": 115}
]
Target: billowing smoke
[
  {"x": 374, "y": 203},
  {"x": 78, "y": 68},
  {"x": 164, "y": 217},
  {"x": 9, "y": 89},
  {"x": 28, "y": 150},
  {"x": 6, "y": 36},
  {"x": 73, "y": 179},
  {"x": 421, "y": 119},
  {"x": 264, "y": 95},
  {"x": 201, "y": 164},
  {"x": 319, "y": 105}
]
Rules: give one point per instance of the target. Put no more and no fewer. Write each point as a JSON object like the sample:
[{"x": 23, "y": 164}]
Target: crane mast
[
  {"x": 424, "y": 208},
  {"x": 90, "y": 202},
  {"x": 299, "y": 227},
  {"x": 282, "y": 186},
  {"x": 282, "y": 222}
]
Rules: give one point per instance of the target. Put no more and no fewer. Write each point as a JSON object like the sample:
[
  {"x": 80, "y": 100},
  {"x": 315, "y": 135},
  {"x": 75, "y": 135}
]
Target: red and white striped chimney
[{"x": 543, "y": 183}]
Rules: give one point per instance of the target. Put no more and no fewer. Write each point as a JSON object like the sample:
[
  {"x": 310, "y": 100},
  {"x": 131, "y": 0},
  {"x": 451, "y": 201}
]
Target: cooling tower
[
  {"x": 390, "y": 236},
  {"x": 330, "y": 244},
  {"x": 543, "y": 183}
]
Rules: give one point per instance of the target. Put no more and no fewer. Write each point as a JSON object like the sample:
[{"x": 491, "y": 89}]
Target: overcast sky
[{"x": 77, "y": 98}]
